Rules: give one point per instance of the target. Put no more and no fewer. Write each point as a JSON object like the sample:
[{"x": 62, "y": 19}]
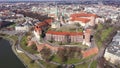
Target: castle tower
[
  {"x": 56, "y": 13},
  {"x": 86, "y": 37},
  {"x": 56, "y": 23},
  {"x": 92, "y": 21},
  {"x": 62, "y": 21},
  {"x": 37, "y": 32}
]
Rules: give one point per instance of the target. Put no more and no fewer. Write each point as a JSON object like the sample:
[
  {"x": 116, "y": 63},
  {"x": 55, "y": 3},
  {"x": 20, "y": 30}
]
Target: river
[{"x": 7, "y": 57}]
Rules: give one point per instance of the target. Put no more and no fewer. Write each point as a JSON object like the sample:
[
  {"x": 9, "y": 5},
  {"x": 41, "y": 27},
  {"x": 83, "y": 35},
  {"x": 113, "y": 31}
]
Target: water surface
[{"x": 7, "y": 58}]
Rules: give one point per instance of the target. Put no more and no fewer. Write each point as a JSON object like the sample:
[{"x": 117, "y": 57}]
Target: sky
[
  {"x": 37, "y": 0},
  {"x": 54, "y": 0},
  {"x": 29, "y": 0}
]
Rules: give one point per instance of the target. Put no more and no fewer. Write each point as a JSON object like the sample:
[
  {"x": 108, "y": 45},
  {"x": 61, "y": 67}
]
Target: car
[{"x": 72, "y": 66}]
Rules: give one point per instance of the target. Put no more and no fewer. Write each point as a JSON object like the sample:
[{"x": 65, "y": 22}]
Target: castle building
[
  {"x": 64, "y": 36},
  {"x": 83, "y": 19},
  {"x": 40, "y": 27}
]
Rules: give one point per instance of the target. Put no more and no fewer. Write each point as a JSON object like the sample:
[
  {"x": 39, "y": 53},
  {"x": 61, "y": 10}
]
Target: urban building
[
  {"x": 25, "y": 27},
  {"x": 112, "y": 52}
]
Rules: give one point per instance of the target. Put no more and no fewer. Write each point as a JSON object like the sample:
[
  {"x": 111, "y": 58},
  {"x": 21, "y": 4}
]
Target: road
[{"x": 32, "y": 56}]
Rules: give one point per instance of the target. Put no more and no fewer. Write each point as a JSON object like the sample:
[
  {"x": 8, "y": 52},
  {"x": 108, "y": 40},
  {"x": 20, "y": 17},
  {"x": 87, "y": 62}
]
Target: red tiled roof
[
  {"x": 51, "y": 14},
  {"x": 65, "y": 33},
  {"x": 77, "y": 17},
  {"x": 30, "y": 43},
  {"x": 84, "y": 20},
  {"x": 47, "y": 21},
  {"x": 39, "y": 25},
  {"x": 90, "y": 52},
  {"x": 40, "y": 47},
  {"x": 83, "y": 15},
  {"x": 37, "y": 29}
]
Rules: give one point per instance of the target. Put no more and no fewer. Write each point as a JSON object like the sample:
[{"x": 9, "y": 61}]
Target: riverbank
[
  {"x": 25, "y": 59},
  {"x": 8, "y": 58},
  {"x": 12, "y": 44}
]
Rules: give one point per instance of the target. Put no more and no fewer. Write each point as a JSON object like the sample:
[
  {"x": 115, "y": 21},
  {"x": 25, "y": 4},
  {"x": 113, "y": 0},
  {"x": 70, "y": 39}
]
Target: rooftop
[
  {"x": 114, "y": 46},
  {"x": 84, "y": 20},
  {"x": 65, "y": 33},
  {"x": 47, "y": 21},
  {"x": 42, "y": 24},
  {"x": 83, "y": 15}
]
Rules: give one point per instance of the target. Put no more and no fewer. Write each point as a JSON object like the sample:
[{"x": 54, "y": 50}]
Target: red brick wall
[
  {"x": 30, "y": 43},
  {"x": 90, "y": 52},
  {"x": 85, "y": 54},
  {"x": 53, "y": 48}
]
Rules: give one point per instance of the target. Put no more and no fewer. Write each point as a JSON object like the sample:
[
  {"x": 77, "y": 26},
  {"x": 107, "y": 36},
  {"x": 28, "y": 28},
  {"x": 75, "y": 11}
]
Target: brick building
[{"x": 64, "y": 36}]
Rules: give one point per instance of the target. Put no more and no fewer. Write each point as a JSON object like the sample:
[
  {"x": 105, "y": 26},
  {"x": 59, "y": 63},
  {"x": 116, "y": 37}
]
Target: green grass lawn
[
  {"x": 94, "y": 64},
  {"x": 82, "y": 46},
  {"x": 72, "y": 43},
  {"x": 69, "y": 28},
  {"x": 105, "y": 33},
  {"x": 102, "y": 34},
  {"x": 57, "y": 59},
  {"x": 48, "y": 65},
  {"x": 24, "y": 46},
  {"x": 84, "y": 65},
  {"x": 73, "y": 60},
  {"x": 99, "y": 44},
  {"x": 69, "y": 61},
  {"x": 27, "y": 61},
  {"x": 100, "y": 26},
  {"x": 14, "y": 37}
]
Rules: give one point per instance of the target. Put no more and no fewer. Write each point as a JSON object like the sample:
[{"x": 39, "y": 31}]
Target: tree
[
  {"x": 117, "y": 63},
  {"x": 34, "y": 47},
  {"x": 108, "y": 22},
  {"x": 77, "y": 26},
  {"x": 32, "y": 61},
  {"x": 59, "y": 66},
  {"x": 33, "y": 15},
  {"x": 62, "y": 54},
  {"x": 46, "y": 53},
  {"x": 68, "y": 53},
  {"x": 118, "y": 18}
]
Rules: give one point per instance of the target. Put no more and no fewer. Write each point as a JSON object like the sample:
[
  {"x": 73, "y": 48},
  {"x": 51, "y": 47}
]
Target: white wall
[
  {"x": 111, "y": 57},
  {"x": 37, "y": 35},
  {"x": 22, "y": 28}
]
